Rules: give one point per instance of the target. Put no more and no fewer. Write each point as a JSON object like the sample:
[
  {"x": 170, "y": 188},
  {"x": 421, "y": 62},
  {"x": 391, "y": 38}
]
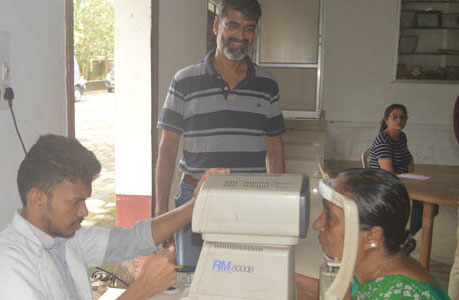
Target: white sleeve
[
  {"x": 18, "y": 278},
  {"x": 128, "y": 243},
  {"x": 93, "y": 244}
]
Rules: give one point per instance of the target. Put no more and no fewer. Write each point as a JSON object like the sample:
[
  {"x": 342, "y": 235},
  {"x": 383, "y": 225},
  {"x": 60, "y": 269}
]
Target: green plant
[{"x": 93, "y": 32}]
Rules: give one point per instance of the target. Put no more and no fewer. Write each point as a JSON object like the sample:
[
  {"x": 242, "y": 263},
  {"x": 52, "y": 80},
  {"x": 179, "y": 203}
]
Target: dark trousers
[
  {"x": 187, "y": 243},
  {"x": 416, "y": 216}
]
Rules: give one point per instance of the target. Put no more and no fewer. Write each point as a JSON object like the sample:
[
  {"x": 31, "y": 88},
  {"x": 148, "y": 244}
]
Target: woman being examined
[{"x": 384, "y": 269}]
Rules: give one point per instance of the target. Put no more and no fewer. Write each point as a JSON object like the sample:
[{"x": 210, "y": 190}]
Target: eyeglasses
[
  {"x": 235, "y": 28},
  {"x": 395, "y": 117}
]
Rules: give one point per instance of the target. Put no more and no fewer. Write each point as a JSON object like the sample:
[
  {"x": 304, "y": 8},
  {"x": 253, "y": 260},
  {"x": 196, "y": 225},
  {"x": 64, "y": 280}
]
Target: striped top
[
  {"x": 222, "y": 127},
  {"x": 385, "y": 147}
]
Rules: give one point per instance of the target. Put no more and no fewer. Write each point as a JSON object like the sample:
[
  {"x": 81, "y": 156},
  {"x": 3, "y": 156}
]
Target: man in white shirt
[{"x": 44, "y": 252}]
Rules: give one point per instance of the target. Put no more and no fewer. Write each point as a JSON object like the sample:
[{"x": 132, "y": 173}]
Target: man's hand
[
  {"x": 275, "y": 161},
  {"x": 164, "y": 226},
  {"x": 158, "y": 274},
  {"x": 169, "y": 243},
  {"x": 215, "y": 171},
  {"x": 160, "y": 210},
  {"x": 167, "y": 152}
]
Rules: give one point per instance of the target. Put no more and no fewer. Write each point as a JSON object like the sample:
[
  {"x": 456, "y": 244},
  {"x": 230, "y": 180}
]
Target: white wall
[
  {"x": 133, "y": 97},
  {"x": 37, "y": 56},
  {"x": 360, "y": 58},
  {"x": 182, "y": 42},
  {"x": 182, "y": 38}
]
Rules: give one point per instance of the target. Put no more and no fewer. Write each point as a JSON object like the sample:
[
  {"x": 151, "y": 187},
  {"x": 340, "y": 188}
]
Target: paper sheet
[
  {"x": 112, "y": 294},
  {"x": 414, "y": 176}
]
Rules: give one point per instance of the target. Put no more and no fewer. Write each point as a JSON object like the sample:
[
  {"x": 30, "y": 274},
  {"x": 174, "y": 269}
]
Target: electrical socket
[
  {"x": 3, "y": 101},
  {"x": 5, "y": 72},
  {"x": 5, "y": 67}
]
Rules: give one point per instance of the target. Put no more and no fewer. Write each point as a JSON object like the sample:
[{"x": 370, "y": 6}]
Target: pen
[{"x": 178, "y": 267}]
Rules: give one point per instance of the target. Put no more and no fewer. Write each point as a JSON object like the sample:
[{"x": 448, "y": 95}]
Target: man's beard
[
  {"x": 236, "y": 54},
  {"x": 56, "y": 231}
]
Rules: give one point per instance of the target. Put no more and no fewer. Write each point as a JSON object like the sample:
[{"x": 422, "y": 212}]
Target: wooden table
[
  {"x": 443, "y": 189},
  {"x": 181, "y": 291}
]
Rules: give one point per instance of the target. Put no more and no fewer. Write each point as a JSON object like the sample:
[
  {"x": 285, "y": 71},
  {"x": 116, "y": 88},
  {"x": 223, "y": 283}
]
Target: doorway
[
  {"x": 122, "y": 125},
  {"x": 94, "y": 100}
]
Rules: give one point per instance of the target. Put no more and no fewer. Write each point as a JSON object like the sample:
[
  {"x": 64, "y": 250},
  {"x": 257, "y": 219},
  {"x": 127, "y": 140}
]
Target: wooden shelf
[
  {"x": 430, "y": 53},
  {"x": 422, "y": 80},
  {"x": 444, "y": 1},
  {"x": 414, "y": 28},
  {"x": 433, "y": 43}
]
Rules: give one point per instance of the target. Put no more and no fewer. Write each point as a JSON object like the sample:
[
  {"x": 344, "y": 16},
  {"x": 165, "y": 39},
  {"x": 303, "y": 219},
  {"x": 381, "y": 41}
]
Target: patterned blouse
[{"x": 398, "y": 287}]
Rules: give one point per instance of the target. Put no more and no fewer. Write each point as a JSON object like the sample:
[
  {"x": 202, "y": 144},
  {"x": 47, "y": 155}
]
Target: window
[{"x": 289, "y": 45}]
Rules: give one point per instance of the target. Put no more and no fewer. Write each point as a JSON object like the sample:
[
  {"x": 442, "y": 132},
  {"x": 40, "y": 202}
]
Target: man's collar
[
  {"x": 45, "y": 239},
  {"x": 209, "y": 66}
]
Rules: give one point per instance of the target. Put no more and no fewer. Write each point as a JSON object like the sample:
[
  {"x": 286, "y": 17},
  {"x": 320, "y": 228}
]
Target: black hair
[
  {"x": 388, "y": 111},
  {"x": 250, "y": 9},
  {"x": 52, "y": 160},
  {"x": 383, "y": 201}
]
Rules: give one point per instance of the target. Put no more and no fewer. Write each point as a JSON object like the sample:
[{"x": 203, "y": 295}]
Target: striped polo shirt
[
  {"x": 222, "y": 127},
  {"x": 385, "y": 147}
]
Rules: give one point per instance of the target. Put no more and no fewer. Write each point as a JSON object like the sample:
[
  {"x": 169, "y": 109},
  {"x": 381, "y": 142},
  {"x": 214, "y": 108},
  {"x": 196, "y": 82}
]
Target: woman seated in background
[
  {"x": 384, "y": 269},
  {"x": 389, "y": 151}
]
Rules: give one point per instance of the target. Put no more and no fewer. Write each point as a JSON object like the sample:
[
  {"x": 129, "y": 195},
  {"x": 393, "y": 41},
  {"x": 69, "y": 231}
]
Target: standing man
[
  {"x": 226, "y": 108},
  {"x": 453, "y": 288},
  {"x": 45, "y": 254}
]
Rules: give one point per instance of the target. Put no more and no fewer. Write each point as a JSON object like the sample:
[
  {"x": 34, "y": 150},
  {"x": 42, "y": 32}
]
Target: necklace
[{"x": 384, "y": 268}]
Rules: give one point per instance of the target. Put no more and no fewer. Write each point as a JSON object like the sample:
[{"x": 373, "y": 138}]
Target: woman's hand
[{"x": 307, "y": 287}]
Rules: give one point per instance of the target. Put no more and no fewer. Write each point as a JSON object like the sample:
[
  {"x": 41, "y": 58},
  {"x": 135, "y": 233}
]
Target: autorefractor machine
[{"x": 250, "y": 224}]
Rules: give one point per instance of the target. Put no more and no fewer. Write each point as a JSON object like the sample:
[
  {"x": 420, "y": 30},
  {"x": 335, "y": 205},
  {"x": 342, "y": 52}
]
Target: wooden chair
[
  {"x": 366, "y": 164},
  {"x": 411, "y": 166},
  {"x": 364, "y": 158},
  {"x": 323, "y": 174}
]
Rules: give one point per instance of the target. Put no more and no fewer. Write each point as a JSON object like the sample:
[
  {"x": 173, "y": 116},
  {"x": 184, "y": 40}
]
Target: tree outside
[{"x": 94, "y": 36}]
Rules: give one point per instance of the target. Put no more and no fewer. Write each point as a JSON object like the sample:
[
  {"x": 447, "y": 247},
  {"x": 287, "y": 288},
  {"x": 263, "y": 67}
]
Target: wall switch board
[
  {"x": 3, "y": 102},
  {"x": 5, "y": 67}
]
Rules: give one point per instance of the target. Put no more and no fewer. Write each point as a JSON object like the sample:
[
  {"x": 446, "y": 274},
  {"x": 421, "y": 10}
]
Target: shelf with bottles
[{"x": 428, "y": 48}]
